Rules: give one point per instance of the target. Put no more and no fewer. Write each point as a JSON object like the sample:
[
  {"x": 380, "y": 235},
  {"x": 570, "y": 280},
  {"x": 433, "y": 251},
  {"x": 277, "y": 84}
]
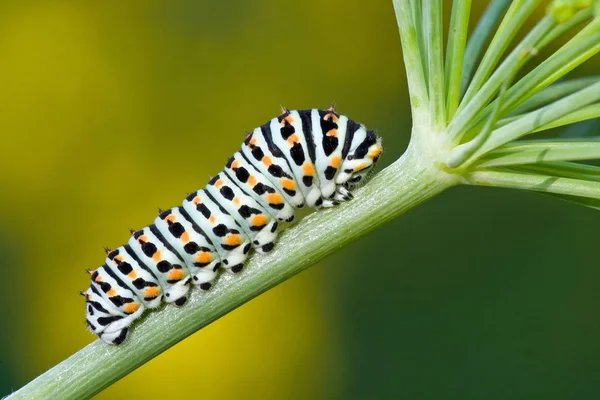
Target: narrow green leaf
[
  {"x": 583, "y": 114},
  {"x": 419, "y": 99},
  {"x": 528, "y": 123},
  {"x": 581, "y": 17},
  {"x": 590, "y": 29},
  {"x": 538, "y": 151},
  {"x": 584, "y": 172},
  {"x": 418, "y": 21},
  {"x": 553, "y": 93},
  {"x": 455, "y": 52},
  {"x": 482, "y": 32},
  {"x": 514, "y": 19},
  {"x": 563, "y": 61},
  {"x": 433, "y": 22},
  {"x": 464, "y": 151},
  {"x": 472, "y": 112},
  {"x": 535, "y": 182}
]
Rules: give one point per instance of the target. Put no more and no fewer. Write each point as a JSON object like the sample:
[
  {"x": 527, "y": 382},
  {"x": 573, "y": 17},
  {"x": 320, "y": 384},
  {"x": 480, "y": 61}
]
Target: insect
[{"x": 310, "y": 158}]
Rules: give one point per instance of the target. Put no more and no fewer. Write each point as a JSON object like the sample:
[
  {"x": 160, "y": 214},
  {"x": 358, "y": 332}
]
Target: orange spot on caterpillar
[
  {"x": 287, "y": 120},
  {"x": 152, "y": 292},
  {"x": 335, "y": 161},
  {"x": 273, "y": 198},
  {"x": 112, "y": 292},
  {"x": 219, "y": 183},
  {"x": 252, "y": 180},
  {"x": 196, "y": 200},
  {"x": 332, "y": 133},
  {"x": 204, "y": 257},
  {"x": 331, "y": 115},
  {"x": 156, "y": 256},
  {"x": 375, "y": 152},
  {"x": 175, "y": 275},
  {"x": 212, "y": 219},
  {"x": 236, "y": 201},
  {"x": 258, "y": 220},
  {"x": 170, "y": 218},
  {"x": 118, "y": 258},
  {"x": 253, "y": 141},
  {"x": 98, "y": 278},
  {"x": 132, "y": 275},
  {"x": 142, "y": 239},
  {"x": 308, "y": 168},
  {"x": 287, "y": 184},
  {"x": 130, "y": 308},
  {"x": 267, "y": 161},
  {"x": 232, "y": 240},
  {"x": 185, "y": 237},
  {"x": 235, "y": 164},
  {"x": 292, "y": 139},
  {"x": 360, "y": 166}
]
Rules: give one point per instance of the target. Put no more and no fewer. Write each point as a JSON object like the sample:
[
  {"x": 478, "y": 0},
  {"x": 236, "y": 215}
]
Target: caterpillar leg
[{"x": 341, "y": 194}]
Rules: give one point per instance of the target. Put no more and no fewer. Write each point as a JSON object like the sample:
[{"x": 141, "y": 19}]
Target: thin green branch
[
  {"x": 581, "y": 17},
  {"x": 578, "y": 57},
  {"x": 583, "y": 114},
  {"x": 433, "y": 23},
  {"x": 553, "y": 93},
  {"x": 572, "y": 54},
  {"x": 538, "y": 151},
  {"x": 419, "y": 99},
  {"x": 482, "y": 32},
  {"x": 564, "y": 169},
  {"x": 515, "y": 17},
  {"x": 535, "y": 182},
  {"x": 417, "y": 12},
  {"x": 403, "y": 185},
  {"x": 468, "y": 114},
  {"x": 455, "y": 53},
  {"x": 465, "y": 151},
  {"x": 532, "y": 121}
]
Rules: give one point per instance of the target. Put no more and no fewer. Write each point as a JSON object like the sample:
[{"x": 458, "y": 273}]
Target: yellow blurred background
[{"x": 111, "y": 109}]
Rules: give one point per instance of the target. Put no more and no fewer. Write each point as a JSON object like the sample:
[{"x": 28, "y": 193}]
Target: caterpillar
[{"x": 310, "y": 158}]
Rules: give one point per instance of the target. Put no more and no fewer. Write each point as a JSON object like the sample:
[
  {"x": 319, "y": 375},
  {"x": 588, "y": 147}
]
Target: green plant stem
[{"x": 403, "y": 185}]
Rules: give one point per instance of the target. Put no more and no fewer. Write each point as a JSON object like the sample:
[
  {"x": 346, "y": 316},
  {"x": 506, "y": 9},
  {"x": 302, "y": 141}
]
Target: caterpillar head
[{"x": 364, "y": 153}]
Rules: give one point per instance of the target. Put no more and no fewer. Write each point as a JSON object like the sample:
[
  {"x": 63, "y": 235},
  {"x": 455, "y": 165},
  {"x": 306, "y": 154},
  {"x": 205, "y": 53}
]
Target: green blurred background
[{"x": 111, "y": 109}]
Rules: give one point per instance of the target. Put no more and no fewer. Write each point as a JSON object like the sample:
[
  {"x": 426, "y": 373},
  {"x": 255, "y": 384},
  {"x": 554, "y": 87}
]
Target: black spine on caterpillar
[{"x": 305, "y": 157}]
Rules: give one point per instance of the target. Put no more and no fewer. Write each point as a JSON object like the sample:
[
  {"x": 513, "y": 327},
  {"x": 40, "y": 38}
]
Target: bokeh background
[{"x": 111, "y": 109}]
